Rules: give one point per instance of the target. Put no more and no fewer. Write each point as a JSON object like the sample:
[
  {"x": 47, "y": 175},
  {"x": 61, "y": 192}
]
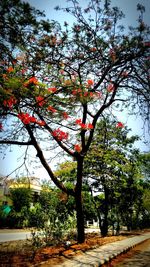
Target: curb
[
  {"x": 114, "y": 255},
  {"x": 101, "y": 259}
]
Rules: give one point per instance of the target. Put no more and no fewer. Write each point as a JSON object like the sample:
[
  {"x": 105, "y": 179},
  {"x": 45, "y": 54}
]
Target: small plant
[{"x": 53, "y": 232}]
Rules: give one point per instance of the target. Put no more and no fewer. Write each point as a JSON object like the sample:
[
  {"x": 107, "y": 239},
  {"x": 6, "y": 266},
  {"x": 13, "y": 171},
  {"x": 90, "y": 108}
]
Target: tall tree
[
  {"x": 106, "y": 167},
  {"x": 71, "y": 77}
]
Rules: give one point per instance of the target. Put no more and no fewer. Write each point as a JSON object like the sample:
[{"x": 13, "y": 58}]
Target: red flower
[
  {"x": 91, "y": 94},
  {"x": 74, "y": 92},
  {"x": 33, "y": 80},
  {"x": 86, "y": 94},
  {"x": 93, "y": 49},
  {"x": 119, "y": 125},
  {"x": 90, "y": 82},
  {"x": 60, "y": 135},
  {"x": 26, "y": 118},
  {"x": 51, "y": 109},
  {"x": 90, "y": 126},
  {"x": 65, "y": 115},
  {"x": 10, "y": 69},
  {"x": 52, "y": 89},
  {"x": 77, "y": 148},
  {"x": 32, "y": 119},
  {"x": 83, "y": 126},
  {"x": 10, "y": 102},
  {"x": 41, "y": 123},
  {"x": 110, "y": 87},
  {"x": 40, "y": 100},
  {"x": 78, "y": 121}
]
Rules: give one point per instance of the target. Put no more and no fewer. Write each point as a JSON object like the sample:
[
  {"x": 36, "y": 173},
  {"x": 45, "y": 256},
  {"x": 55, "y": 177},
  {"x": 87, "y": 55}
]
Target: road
[
  {"x": 139, "y": 256},
  {"x": 10, "y": 235}
]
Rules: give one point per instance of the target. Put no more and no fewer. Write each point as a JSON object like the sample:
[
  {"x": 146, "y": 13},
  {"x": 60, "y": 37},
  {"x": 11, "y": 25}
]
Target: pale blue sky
[
  {"x": 10, "y": 162},
  {"x": 127, "y": 6}
]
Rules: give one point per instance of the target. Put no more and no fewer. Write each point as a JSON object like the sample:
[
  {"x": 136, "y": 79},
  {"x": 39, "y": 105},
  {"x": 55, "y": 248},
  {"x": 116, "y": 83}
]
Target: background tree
[
  {"x": 21, "y": 201},
  {"x": 144, "y": 159},
  {"x": 71, "y": 77},
  {"x": 107, "y": 169}
]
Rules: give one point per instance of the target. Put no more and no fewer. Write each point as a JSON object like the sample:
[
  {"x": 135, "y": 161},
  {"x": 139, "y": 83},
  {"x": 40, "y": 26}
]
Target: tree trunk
[
  {"x": 79, "y": 204},
  {"x": 104, "y": 228}
]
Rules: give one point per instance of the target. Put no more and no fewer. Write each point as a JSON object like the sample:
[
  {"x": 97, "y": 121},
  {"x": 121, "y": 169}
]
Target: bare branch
[{"x": 10, "y": 142}]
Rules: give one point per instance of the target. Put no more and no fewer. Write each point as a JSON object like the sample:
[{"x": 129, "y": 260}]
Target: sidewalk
[{"x": 99, "y": 256}]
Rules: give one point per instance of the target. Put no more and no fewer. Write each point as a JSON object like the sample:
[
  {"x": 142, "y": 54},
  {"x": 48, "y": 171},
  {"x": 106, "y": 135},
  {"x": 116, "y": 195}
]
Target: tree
[
  {"x": 17, "y": 21},
  {"x": 144, "y": 159},
  {"x": 107, "y": 169},
  {"x": 67, "y": 173},
  {"x": 70, "y": 78},
  {"x": 21, "y": 197}
]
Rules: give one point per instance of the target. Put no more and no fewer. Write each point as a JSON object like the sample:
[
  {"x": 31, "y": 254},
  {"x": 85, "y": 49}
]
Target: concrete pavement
[{"x": 97, "y": 257}]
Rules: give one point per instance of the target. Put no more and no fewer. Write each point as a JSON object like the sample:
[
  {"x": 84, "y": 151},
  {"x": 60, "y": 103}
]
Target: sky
[{"x": 13, "y": 158}]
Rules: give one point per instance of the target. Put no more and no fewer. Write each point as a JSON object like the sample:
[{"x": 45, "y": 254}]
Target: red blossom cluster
[
  {"x": 119, "y": 125},
  {"x": 9, "y": 103},
  {"x": 78, "y": 92},
  {"x": 41, "y": 123},
  {"x": 77, "y": 148},
  {"x": 52, "y": 89},
  {"x": 27, "y": 119},
  {"x": 10, "y": 69},
  {"x": 32, "y": 80},
  {"x": 110, "y": 87},
  {"x": 93, "y": 49},
  {"x": 40, "y": 100},
  {"x": 65, "y": 115},
  {"x": 90, "y": 82},
  {"x": 60, "y": 135},
  {"x": 51, "y": 109},
  {"x": 83, "y": 125}
]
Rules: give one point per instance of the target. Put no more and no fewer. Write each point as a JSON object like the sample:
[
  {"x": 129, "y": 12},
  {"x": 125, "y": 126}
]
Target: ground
[{"x": 23, "y": 254}]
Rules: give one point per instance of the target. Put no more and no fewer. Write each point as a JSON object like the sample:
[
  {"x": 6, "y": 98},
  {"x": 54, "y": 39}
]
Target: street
[
  {"x": 11, "y": 235},
  {"x": 137, "y": 257}
]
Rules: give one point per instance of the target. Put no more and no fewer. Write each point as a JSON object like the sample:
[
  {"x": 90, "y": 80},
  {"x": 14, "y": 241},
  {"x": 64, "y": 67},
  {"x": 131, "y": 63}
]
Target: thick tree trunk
[
  {"x": 80, "y": 219},
  {"x": 79, "y": 204}
]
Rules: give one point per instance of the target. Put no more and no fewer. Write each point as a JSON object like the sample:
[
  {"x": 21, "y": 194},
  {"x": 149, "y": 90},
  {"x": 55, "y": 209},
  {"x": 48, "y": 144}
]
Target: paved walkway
[{"x": 99, "y": 256}]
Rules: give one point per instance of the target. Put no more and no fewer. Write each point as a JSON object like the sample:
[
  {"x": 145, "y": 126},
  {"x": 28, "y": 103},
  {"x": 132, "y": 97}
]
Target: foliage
[
  {"x": 51, "y": 218},
  {"x": 145, "y": 164},
  {"x": 112, "y": 167},
  {"x": 21, "y": 197},
  {"x": 17, "y": 20}
]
